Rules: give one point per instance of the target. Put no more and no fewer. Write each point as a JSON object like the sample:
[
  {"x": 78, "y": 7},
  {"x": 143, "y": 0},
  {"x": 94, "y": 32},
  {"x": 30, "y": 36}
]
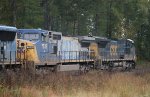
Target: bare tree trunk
[
  {"x": 14, "y": 8},
  {"x": 47, "y": 18},
  {"x": 74, "y": 26},
  {"x": 109, "y": 18},
  {"x": 78, "y": 25},
  {"x": 96, "y": 24}
]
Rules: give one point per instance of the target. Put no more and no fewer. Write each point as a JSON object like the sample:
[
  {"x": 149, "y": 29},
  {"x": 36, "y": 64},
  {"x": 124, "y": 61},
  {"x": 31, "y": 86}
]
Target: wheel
[
  {"x": 110, "y": 66},
  {"x": 133, "y": 65},
  {"x": 128, "y": 66},
  {"x": 84, "y": 68}
]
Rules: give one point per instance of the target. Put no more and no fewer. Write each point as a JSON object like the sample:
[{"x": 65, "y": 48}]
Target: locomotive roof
[
  {"x": 130, "y": 40},
  {"x": 55, "y": 32},
  {"x": 124, "y": 40},
  {"x": 101, "y": 39},
  {"x": 92, "y": 39},
  {"x": 8, "y": 28},
  {"x": 32, "y": 31}
]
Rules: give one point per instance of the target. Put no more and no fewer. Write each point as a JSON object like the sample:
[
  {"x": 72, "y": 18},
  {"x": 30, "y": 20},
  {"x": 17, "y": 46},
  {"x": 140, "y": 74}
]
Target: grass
[
  {"x": 143, "y": 63},
  {"x": 92, "y": 84}
]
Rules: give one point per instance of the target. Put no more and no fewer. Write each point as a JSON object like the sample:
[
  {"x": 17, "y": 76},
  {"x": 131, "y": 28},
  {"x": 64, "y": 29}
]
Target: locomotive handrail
[
  {"x": 8, "y": 57},
  {"x": 75, "y": 56},
  {"x": 119, "y": 55}
]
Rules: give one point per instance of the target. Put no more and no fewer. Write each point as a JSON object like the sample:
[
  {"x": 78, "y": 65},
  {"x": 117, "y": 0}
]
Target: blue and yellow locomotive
[
  {"x": 49, "y": 49},
  {"x": 118, "y": 53}
]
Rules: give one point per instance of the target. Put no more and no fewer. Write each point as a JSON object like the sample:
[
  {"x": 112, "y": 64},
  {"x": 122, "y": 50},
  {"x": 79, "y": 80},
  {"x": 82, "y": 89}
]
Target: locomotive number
[
  {"x": 113, "y": 49},
  {"x": 44, "y": 46}
]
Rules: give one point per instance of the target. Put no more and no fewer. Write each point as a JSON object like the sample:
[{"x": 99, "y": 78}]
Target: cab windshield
[
  {"x": 32, "y": 37},
  {"x": 7, "y": 35}
]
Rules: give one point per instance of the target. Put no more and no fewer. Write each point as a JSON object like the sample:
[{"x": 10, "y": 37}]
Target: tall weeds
[{"x": 61, "y": 84}]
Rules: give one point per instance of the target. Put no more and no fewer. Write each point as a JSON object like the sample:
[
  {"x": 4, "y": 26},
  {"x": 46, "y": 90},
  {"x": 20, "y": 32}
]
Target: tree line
[{"x": 108, "y": 18}]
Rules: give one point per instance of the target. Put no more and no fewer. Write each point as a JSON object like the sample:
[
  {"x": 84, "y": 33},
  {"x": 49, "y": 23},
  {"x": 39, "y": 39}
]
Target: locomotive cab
[
  {"x": 54, "y": 38},
  {"x": 44, "y": 44},
  {"x": 127, "y": 49},
  {"x": 118, "y": 53},
  {"x": 8, "y": 47}
]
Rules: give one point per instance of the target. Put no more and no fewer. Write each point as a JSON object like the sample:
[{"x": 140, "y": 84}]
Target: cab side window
[
  {"x": 55, "y": 49},
  {"x": 56, "y": 37},
  {"x": 43, "y": 38},
  {"x": 50, "y": 34},
  {"x": 128, "y": 48}
]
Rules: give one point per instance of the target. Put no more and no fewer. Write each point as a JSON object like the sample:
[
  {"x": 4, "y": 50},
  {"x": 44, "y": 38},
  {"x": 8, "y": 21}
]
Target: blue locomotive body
[
  {"x": 43, "y": 44},
  {"x": 118, "y": 53},
  {"x": 112, "y": 53},
  {"x": 8, "y": 47},
  {"x": 51, "y": 48}
]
